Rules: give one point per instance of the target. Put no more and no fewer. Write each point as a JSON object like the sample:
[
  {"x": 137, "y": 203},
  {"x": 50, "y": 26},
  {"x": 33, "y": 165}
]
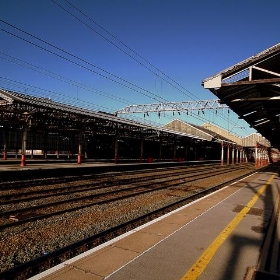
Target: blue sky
[{"x": 186, "y": 40}]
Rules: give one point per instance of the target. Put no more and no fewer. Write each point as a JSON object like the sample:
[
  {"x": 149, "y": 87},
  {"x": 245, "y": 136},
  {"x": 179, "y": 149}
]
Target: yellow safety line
[{"x": 199, "y": 266}]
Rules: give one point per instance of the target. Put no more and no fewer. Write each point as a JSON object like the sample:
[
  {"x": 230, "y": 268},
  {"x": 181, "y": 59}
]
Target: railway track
[
  {"x": 17, "y": 195},
  {"x": 122, "y": 202},
  {"x": 86, "y": 196}
]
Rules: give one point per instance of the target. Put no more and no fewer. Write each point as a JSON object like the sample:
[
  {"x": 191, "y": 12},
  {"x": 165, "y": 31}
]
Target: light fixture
[
  {"x": 261, "y": 123},
  {"x": 250, "y": 113},
  {"x": 260, "y": 120}
]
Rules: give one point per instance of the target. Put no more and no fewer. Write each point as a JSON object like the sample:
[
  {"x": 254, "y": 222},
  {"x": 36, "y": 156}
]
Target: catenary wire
[
  {"x": 66, "y": 80},
  {"x": 123, "y": 44},
  {"x": 130, "y": 85},
  {"x": 69, "y": 59},
  {"x": 173, "y": 83},
  {"x": 77, "y": 64},
  {"x": 61, "y": 78}
]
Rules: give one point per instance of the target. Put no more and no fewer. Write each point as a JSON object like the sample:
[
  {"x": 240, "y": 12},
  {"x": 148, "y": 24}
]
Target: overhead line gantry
[{"x": 184, "y": 106}]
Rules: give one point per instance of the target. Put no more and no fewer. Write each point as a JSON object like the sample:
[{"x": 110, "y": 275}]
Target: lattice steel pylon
[{"x": 184, "y": 106}]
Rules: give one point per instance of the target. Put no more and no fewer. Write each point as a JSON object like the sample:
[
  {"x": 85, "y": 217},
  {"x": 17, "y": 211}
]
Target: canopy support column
[
  {"x": 5, "y": 144},
  {"x": 57, "y": 147},
  {"x": 222, "y": 153},
  {"x": 228, "y": 154},
  {"x": 80, "y": 148},
  {"x": 23, "y": 146},
  {"x": 116, "y": 150},
  {"x": 26, "y": 125},
  {"x": 256, "y": 156}
]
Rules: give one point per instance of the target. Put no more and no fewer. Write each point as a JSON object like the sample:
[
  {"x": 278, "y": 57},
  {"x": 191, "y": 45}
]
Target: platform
[{"x": 220, "y": 236}]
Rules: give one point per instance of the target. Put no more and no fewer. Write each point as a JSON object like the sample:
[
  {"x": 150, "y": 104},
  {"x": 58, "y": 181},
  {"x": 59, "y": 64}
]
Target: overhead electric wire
[
  {"x": 123, "y": 44},
  {"x": 191, "y": 114},
  {"x": 126, "y": 46},
  {"x": 62, "y": 78},
  {"x": 80, "y": 85},
  {"x": 66, "y": 99},
  {"x": 138, "y": 89},
  {"x": 82, "y": 66},
  {"x": 50, "y": 94}
]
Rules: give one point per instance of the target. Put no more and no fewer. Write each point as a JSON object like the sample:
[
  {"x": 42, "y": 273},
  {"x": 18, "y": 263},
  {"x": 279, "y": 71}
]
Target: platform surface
[{"x": 217, "y": 237}]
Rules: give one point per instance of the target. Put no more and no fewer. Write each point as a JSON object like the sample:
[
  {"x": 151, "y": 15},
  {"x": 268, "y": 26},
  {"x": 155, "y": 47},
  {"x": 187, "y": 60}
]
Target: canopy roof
[
  {"x": 251, "y": 88},
  {"x": 44, "y": 114}
]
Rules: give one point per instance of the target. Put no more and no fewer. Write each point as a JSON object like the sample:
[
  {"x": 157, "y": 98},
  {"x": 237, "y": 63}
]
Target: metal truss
[{"x": 185, "y": 106}]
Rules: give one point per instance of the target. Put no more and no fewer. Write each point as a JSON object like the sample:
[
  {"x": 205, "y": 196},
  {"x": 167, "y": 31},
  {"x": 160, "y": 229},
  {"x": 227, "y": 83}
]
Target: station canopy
[
  {"x": 41, "y": 114},
  {"x": 251, "y": 88}
]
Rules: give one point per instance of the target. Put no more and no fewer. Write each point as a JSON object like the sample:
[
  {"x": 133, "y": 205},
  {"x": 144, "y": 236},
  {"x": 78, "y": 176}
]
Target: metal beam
[
  {"x": 266, "y": 71},
  {"x": 252, "y": 82}
]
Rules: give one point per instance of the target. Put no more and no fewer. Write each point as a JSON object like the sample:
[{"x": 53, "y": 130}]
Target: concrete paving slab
[
  {"x": 138, "y": 241},
  {"x": 70, "y": 273},
  {"x": 181, "y": 218},
  {"x": 104, "y": 263},
  {"x": 161, "y": 228}
]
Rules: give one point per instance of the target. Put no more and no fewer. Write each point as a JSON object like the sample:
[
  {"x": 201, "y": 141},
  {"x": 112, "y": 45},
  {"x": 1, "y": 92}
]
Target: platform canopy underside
[{"x": 251, "y": 89}]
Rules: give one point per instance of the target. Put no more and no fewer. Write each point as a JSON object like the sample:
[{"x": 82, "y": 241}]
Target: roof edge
[{"x": 246, "y": 63}]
